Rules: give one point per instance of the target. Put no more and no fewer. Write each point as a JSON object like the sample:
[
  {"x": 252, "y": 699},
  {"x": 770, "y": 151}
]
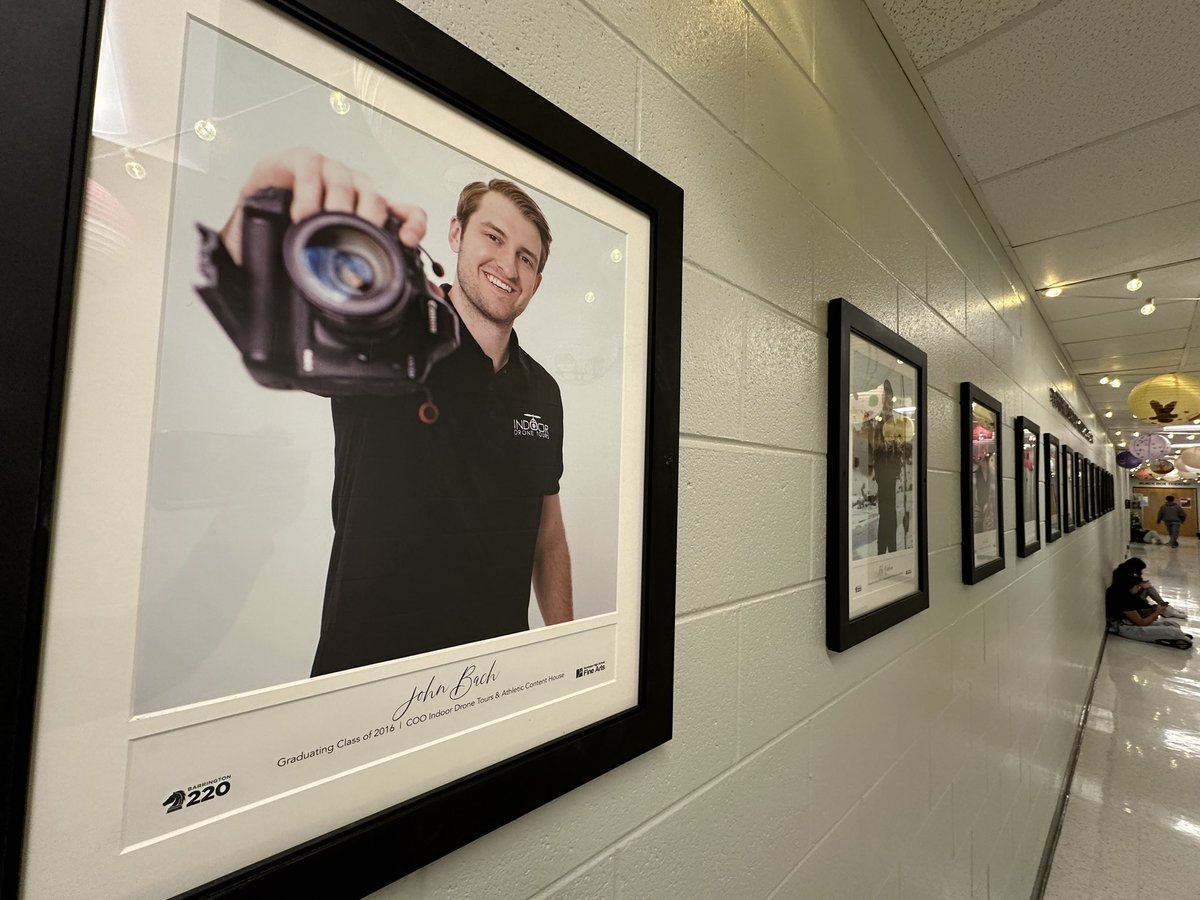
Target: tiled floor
[{"x": 1132, "y": 827}]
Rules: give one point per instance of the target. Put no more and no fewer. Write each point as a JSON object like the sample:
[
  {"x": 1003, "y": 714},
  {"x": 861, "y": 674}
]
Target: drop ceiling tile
[
  {"x": 1137, "y": 172},
  {"x": 1074, "y": 73},
  {"x": 1162, "y": 361},
  {"x": 932, "y": 28},
  {"x": 1159, "y": 237},
  {"x": 1128, "y": 344},
  {"x": 1064, "y": 308},
  {"x": 1170, "y": 321}
]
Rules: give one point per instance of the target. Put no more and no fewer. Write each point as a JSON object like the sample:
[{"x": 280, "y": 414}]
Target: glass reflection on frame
[
  {"x": 1028, "y": 470},
  {"x": 982, "y": 490}
]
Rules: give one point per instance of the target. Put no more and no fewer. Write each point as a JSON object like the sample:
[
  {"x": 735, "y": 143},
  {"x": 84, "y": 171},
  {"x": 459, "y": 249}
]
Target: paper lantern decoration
[
  {"x": 1161, "y": 466},
  {"x": 1170, "y": 476},
  {"x": 1142, "y": 474},
  {"x": 1127, "y": 460},
  {"x": 1027, "y": 460},
  {"x": 1150, "y": 446},
  {"x": 1166, "y": 399},
  {"x": 1188, "y": 459}
]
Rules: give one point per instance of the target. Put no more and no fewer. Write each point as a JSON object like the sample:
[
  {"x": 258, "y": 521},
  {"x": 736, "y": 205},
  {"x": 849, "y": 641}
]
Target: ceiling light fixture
[
  {"x": 1134, "y": 283},
  {"x": 1108, "y": 415},
  {"x": 1116, "y": 382},
  {"x": 1148, "y": 307},
  {"x": 1104, "y": 379},
  {"x": 1053, "y": 292}
]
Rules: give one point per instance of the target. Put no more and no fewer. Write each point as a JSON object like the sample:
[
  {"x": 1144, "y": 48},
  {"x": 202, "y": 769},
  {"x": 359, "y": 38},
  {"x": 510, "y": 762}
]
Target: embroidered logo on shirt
[{"x": 531, "y": 426}]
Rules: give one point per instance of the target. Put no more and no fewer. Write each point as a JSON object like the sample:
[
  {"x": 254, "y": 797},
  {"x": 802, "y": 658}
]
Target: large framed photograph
[
  {"x": 1053, "y": 490},
  {"x": 982, "y": 487},
  {"x": 877, "y": 567},
  {"x": 352, "y": 533},
  {"x": 1028, "y": 473}
]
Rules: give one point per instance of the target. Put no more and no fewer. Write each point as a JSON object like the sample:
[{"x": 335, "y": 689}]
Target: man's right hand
[{"x": 319, "y": 183}]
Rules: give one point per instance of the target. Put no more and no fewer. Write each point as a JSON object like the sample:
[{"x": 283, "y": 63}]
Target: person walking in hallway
[{"x": 1172, "y": 515}]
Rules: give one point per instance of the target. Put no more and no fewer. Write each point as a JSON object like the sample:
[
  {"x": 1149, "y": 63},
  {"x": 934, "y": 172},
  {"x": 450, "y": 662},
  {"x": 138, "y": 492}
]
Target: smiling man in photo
[{"x": 442, "y": 523}]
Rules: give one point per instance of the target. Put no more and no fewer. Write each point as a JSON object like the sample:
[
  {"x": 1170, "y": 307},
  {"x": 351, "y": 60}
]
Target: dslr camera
[{"x": 332, "y": 304}]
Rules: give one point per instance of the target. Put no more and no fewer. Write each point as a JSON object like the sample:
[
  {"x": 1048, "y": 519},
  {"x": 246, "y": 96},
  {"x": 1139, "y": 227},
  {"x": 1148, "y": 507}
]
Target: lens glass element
[
  {"x": 344, "y": 272},
  {"x": 347, "y": 263}
]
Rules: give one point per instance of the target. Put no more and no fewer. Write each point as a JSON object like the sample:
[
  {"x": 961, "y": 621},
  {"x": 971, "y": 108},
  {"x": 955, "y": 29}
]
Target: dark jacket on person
[{"x": 1171, "y": 513}]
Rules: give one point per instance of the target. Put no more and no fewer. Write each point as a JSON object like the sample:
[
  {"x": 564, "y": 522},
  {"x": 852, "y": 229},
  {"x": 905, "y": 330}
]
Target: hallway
[{"x": 1132, "y": 826}]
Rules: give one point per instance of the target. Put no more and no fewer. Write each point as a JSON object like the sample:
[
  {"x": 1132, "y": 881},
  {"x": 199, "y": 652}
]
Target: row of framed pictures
[{"x": 877, "y": 565}]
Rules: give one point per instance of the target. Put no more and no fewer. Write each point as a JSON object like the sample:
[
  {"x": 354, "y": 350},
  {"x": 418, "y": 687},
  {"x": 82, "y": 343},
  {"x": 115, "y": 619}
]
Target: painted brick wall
[{"x": 926, "y": 762}]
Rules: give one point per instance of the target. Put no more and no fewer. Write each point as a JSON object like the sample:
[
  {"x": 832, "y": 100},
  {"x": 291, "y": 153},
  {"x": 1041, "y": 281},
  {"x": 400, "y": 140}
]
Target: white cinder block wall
[{"x": 926, "y": 762}]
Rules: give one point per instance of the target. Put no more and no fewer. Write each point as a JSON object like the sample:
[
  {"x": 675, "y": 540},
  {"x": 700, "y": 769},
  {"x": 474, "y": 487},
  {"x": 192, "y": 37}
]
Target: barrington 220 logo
[
  {"x": 197, "y": 793},
  {"x": 531, "y": 425}
]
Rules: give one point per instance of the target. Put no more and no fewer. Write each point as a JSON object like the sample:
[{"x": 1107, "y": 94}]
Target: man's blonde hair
[{"x": 473, "y": 194}]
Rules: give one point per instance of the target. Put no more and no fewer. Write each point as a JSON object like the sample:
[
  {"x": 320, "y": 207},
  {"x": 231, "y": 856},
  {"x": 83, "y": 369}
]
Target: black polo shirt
[{"x": 435, "y": 525}]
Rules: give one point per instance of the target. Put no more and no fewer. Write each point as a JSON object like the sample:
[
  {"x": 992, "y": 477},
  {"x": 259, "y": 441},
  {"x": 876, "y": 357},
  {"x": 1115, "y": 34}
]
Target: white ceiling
[{"x": 1075, "y": 122}]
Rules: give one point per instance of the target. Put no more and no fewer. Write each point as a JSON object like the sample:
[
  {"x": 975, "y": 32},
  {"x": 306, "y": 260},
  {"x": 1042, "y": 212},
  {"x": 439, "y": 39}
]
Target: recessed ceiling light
[
  {"x": 1108, "y": 415},
  {"x": 1116, "y": 382},
  {"x": 1104, "y": 379},
  {"x": 1053, "y": 292},
  {"x": 1117, "y": 433},
  {"x": 1134, "y": 283},
  {"x": 1148, "y": 307}
]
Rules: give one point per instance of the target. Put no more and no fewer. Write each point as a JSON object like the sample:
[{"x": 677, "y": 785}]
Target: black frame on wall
[
  {"x": 1066, "y": 475},
  {"x": 51, "y": 49},
  {"x": 841, "y": 631},
  {"x": 1053, "y": 494},
  {"x": 970, "y": 395},
  {"x": 1021, "y": 425}
]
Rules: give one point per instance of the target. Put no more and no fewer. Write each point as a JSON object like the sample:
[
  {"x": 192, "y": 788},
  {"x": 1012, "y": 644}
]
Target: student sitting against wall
[{"x": 1139, "y": 612}]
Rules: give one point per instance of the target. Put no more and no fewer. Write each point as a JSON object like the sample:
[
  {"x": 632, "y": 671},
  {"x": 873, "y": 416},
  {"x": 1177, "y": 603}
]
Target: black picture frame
[
  {"x": 1050, "y": 453},
  {"x": 51, "y": 59},
  {"x": 1066, "y": 471},
  {"x": 981, "y": 466},
  {"x": 1085, "y": 488},
  {"x": 1078, "y": 491},
  {"x": 846, "y": 571},
  {"x": 1027, "y": 437}
]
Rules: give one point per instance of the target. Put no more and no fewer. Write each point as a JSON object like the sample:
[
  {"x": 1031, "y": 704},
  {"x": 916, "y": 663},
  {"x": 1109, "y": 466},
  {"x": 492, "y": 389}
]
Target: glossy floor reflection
[{"x": 1132, "y": 826}]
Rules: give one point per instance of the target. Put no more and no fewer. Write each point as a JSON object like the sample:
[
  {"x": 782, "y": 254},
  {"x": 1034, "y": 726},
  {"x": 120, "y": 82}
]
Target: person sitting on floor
[{"x": 1138, "y": 612}]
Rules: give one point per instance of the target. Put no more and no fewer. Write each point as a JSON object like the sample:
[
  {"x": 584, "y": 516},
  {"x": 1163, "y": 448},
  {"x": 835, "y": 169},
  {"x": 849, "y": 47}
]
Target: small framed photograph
[
  {"x": 1069, "y": 498},
  {"x": 1078, "y": 489},
  {"x": 877, "y": 567},
  {"x": 1053, "y": 493},
  {"x": 982, "y": 490},
  {"x": 1028, "y": 471}
]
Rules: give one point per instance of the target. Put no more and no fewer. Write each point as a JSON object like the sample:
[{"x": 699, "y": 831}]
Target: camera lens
[
  {"x": 348, "y": 266},
  {"x": 349, "y": 271}
]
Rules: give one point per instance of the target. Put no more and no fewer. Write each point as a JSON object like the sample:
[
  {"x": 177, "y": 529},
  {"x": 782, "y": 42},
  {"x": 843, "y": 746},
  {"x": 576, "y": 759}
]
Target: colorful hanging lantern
[
  {"x": 1142, "y": 474},
  {"x": 1189, "y": 458},
  {"x": 1166, "y": 399},
  {"x": 1161, "y": 466},
  {"x": 1127, "y": 460},
  {"x": 1150, "y": 446}
]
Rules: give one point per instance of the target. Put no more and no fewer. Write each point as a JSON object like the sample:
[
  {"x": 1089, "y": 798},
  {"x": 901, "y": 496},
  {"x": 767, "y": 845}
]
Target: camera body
[{"x": 333, "y": 304}]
